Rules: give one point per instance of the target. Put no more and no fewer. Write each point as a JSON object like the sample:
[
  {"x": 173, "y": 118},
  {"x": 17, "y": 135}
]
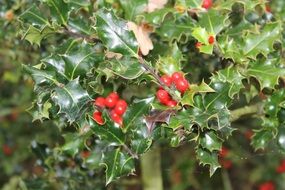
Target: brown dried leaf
[
  {"x": 142, "y": 33},
  {"x": 155, "y": 4},
  {"x": 158, "y": 116},
  {"x": 111, "y": 55}
]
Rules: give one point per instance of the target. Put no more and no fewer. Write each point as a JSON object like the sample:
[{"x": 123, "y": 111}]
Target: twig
[
  {"x": 134, "y": 155},
  {"x": 79, "y": 35},
  {"x": 247, "y": 110}
]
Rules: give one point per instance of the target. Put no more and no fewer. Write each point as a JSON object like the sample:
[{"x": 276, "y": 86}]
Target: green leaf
[
  {"x": 126, "y": 67},
  {"x": 188, "y": 97},
  {"x": 59, "y": 10},
  {"x": 201, "y": 35},
  {"x": 232, "y": 76},
  {"x": 117, "y": 164},
  {"x": 263, "y": 42},
  {"x": 210, "y": 141},
  {"x": 73, "y": 143},
  {"x": 266, "y": 73},
  {"x": 136, "y": 112},
  {"x": 71, "y": 98},
  {"x": 190, "y": 3},
  {"x": 74, "y": 58},
  {"x": 261, "y": 139},
  {"x": 213, "y": 21},
  {"x": 156, "y": 17},
  {"x": 207, "y": 158},
  {"x": 34, "y": 17},
  {"x": 35, "y": 36},
  {"x": 178, "y": 28},
  {"x": 115, "y": 34},
  {"x": 109, "y": 132},
  {"x": 171, "y": 62},
  {"x": 133, "y": 8},
  {"x": 181, "y": 119}
]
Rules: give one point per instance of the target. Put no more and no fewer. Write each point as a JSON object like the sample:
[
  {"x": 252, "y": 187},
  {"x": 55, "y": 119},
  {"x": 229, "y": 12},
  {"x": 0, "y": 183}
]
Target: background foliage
[{"x": 75, "y": 51}]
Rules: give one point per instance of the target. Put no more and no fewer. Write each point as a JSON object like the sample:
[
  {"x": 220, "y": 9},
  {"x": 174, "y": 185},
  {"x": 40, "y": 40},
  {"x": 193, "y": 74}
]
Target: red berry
[
  {"x": 100, "y": 102},
  {"x": 114, "y": 95},
  {"x": 7, "y": 150},
  {"x": 171, "y": 103},
  {"x": 85, "y": 154},
  {"x": 97, "y": 116},
  {"x": 111, "y": 100},
  {"x": 267, "y": 186},
  {"x": 224, "y": 152},
  {"x": 198, "y": 45},
  {"x": 162, "y": 96},
  {"x": 227, "y": 164},
  {"x": 116, "y": 118},
  {"x": 182, "y": 85},
  {"x": 207, "y": 4},
  {"x": 176, "y": 76},
  {"x": 167, "y": 80},
  {"x": 121, "y": 107},
  {"x": 281, "y": 168},
  {"x": 267, "y": 8},
  {"x": 211, "y": 40}
]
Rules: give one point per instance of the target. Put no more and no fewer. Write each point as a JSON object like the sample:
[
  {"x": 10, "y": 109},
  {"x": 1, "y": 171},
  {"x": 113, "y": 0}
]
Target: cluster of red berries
[
  {"x": 181, "y": 84},
  {"x": 207, "y": 4},
  {"x": 116, "y": 106}
]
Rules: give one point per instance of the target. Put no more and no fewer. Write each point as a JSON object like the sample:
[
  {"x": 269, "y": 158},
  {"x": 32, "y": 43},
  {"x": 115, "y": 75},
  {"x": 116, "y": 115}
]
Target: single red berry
[
  {"x": 167, "y": 80},
  {"x": 116, "y": 117},
  {"x": 198, "y": 45},
  {"x": 171, "y": 103},
  {"x": 114, "y": 95},
  {"x": 121, "y": 107},
  {"x": 97, "y": 116},
  {"x": 211, "y": 40},
  {"x": 267, "y": 8},
  {"x": 177, "y": 76},
  {"x": 85, "y": 154},
  {"x": 224, "y": 152},
  {"x": 100, "y": 102},
  {"x": 111, "y": 100},
  {"x": 182, "y": 85},
  {"x": 267, "y": 186},
  {"x": 248, "y": 134},
  {"x": 7, "y": 150},
  {"x": 207, "y": 4},
  {"x": 281, "y": 168},
  {"x": 162, "y": 96}
]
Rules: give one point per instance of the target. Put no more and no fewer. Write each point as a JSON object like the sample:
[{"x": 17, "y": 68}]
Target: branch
[
  {"x": 134, "y": 155},
  {"x": 247, "y": 110},
  {"x": 157, "y": 78},
  {"x": 67, "y": 31}
]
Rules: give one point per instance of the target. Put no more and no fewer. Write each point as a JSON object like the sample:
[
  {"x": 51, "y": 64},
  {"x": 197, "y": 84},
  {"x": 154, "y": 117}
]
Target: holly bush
[{"x": 123, "y": 80}]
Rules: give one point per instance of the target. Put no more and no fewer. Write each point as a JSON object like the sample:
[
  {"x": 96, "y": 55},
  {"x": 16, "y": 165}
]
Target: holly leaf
[
  {"x": 188, "y": 97},
  {"x": 263, "y": 42},
  {"x": 136, "y": 112},
  {"x": 72, "y": 99},
  {"x": 115, "y": 34},
  {"x": 171, "y": 62},
  {"x": 35, "y": 36},
  {"x": 126, "y": 67},
  {"x": 209, "y": 140},
  {"x": 73, "y": 143},
  {"x": 74, "y": 58},
  {"x": 202, "y": 36},
  {"x": 133, "y": 8},
  {"x": 34, "y": 17},
  {"x": 207, "y": 158},
  {"x": 59, "y": 11},
  {"x": 261, "y": 139},
  {"x": 266, "y": 73},
  {"x": 213, "y": 21},
  {"x": 181, "y": 119},
  {"x": 178, "y": 28},
  {"x": 193, "y": 4},
  {"x": 117, "y": 164},
  {"x": 109, "y": 132}
]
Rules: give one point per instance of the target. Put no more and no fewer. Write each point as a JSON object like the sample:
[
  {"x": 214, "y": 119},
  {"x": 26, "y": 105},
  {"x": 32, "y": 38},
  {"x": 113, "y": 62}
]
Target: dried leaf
[
  {"x": 158, "y": 116},
  {"x": 111, "y": 55},
  {"x": 142, "y": 33},
  {"x": 155, "y": 4}
]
